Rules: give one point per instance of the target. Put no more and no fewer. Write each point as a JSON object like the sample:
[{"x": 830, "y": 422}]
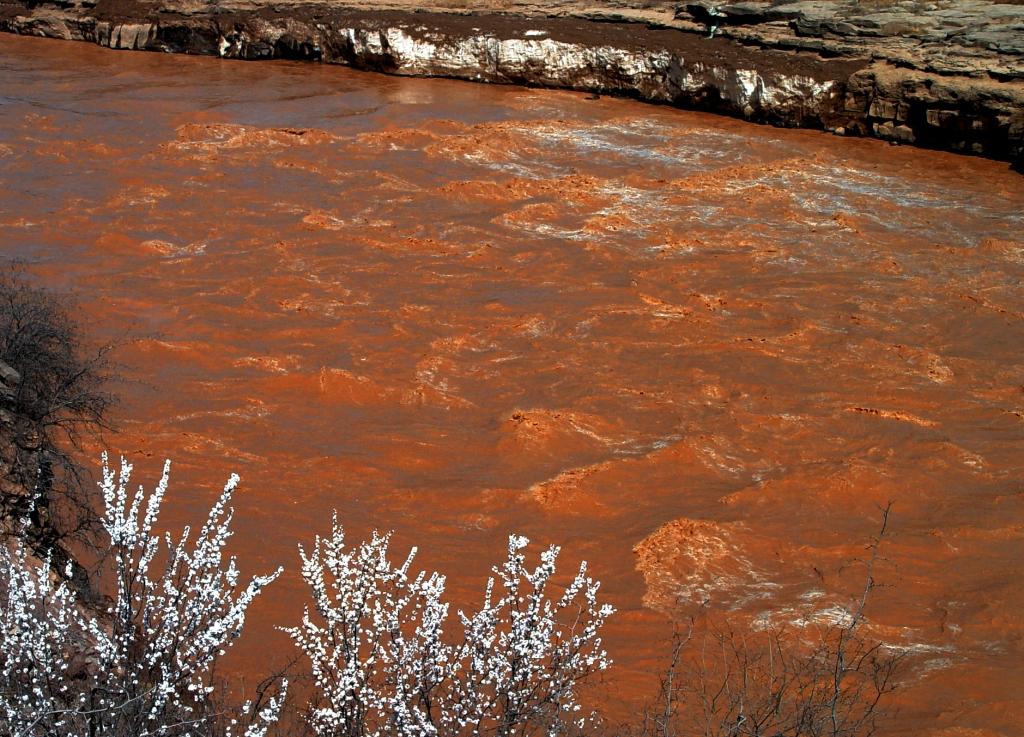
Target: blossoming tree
[
  {"x": 382, "y": 665},
  {"x": 144, "y": 666}
]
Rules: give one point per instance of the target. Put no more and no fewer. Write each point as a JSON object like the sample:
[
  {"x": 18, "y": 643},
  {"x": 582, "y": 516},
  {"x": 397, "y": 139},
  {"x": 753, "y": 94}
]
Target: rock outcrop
[{"x": 940, "y": 75}]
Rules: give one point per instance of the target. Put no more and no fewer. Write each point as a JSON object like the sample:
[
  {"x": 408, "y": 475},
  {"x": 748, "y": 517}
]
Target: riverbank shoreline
[{"x": 851, "y": 75}]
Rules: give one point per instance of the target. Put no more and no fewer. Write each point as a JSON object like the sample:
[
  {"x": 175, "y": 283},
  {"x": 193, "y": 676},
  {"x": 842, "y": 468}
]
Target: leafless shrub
[
  {"x": 824, "y": 679},
  {"x": 56, "y": 393}
]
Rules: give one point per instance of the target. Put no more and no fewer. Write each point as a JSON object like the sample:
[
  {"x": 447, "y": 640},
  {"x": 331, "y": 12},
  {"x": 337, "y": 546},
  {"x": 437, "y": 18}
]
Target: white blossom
[
  {"x": 382, "y": 665},
  {"x": 385, "y": 656},
  {"x": 144, "y": 666}
]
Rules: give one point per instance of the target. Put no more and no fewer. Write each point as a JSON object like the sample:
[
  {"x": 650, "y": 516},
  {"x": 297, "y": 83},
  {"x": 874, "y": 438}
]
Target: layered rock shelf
[{"x": 940, "y": 75}]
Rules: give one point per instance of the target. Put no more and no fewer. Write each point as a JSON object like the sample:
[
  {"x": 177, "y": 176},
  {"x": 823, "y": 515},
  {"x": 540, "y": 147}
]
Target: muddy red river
[{"x": 698, "y": 353}]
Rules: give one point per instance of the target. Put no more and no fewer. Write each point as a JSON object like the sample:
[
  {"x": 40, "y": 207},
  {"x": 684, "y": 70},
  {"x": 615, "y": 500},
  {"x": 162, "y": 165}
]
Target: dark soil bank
[{"x": 938, "y": 75}]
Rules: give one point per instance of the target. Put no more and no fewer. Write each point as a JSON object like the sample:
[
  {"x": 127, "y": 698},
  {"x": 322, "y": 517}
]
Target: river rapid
[{"x": 698, "y": 353}]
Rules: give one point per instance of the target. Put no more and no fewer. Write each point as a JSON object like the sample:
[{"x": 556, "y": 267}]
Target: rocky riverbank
[{"x": 940, "y": 75}]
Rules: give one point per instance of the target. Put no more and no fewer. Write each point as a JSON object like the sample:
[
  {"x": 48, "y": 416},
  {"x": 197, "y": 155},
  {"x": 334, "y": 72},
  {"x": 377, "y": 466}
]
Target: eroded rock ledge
[{"x": 948, "y": 77}]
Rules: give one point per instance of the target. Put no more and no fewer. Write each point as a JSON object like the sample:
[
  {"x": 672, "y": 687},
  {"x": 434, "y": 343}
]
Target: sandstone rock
[
  {"x": 8, "y": 376},
  {"x": 942, "y": 118},
  {"x": 131, "y": 36},
  {"x": 904, "y": 134},
  {"x": 759, "y": 12},
  {"x": 882, "y": 109},
  {"x": 706, "y": 12},
  {"x": 293, "y": 47}
]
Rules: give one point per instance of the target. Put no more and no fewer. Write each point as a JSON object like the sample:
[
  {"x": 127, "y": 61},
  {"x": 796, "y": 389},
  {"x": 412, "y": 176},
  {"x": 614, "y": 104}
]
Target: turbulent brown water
[{"x": 698, "y": 353}]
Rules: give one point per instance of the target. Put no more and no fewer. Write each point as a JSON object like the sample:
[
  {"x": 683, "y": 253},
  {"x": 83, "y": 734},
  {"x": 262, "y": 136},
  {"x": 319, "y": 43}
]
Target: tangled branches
[
  {"x": 825, "y": 678},
  {"x": 52, "y": 389}
]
